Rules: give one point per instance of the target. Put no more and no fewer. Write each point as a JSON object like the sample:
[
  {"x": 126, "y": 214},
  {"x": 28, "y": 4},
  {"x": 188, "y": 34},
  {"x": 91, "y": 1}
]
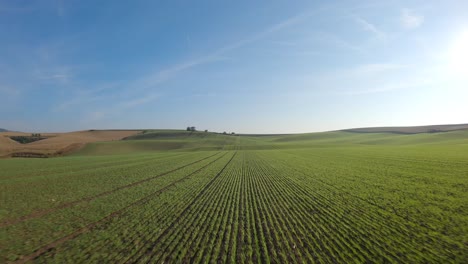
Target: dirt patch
[
  {"x": 29, "y": 155},
  {"x": 71, "y": 148}
]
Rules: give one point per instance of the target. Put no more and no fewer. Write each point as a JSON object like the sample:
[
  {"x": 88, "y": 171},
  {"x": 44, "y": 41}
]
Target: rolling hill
[
  {"x": 410, "y": 129},
  {"x": 106, "y": 142},
  {"x": 57, "y": 144}
]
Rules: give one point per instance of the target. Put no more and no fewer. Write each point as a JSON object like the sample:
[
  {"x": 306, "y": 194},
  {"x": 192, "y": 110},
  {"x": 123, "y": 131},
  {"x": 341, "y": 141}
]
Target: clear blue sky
[{"x": 243, "y": 66}]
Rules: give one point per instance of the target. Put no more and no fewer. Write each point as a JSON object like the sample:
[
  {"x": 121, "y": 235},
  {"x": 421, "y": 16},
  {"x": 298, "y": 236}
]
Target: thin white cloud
[
  {"x": 111, "y": 112},
  {"x": 62, "y": 78},
  {"x": 147, "y": 83},
  {"x": 388, "y": 87},
  {"x": 140, "y": 101},
  {"x": 367, "y": 26},
  {"x": 284, "y": 43},
  {"x": 410, "y": 20},
  {"x": 86, "y": 96},
  {"x": 338, "y": 42},
  {"x": 374, "y": 68},
  {"x": 77, "y": 100},
  {"x": 372, "y": 78},
  {"x": 260, "y": 35},
  {"x": 272, "y": 29},
  {"x": 159, "y": 76}
]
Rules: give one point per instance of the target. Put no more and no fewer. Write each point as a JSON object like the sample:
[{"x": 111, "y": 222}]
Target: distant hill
[
  {"x": 167, "y": 134},
  {"x": 57, "y": 144},
  {"x": 409, "y": 129},
  {"x": 3, "y": 130},
  {"x": 163, "y": 140}
]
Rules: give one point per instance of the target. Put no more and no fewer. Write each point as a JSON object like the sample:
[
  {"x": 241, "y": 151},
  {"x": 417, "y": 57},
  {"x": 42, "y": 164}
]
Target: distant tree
[
  {"x": 224, "y": 133},
  {"x": 232, "y": 133},
  {"x": 206, "y": 130},
  {"x": 189, "y": 129},
  {"x": 192, "y": 128}
]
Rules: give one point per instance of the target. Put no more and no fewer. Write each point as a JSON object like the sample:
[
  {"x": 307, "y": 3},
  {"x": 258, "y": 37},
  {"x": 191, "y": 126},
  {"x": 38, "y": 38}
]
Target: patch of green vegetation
[
  {"x": 162, "y": 140},
  {"x": 27, "y": 139}
]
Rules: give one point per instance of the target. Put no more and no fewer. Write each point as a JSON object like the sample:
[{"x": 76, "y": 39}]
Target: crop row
[
  {"x": 431, "y": 200},
  {"x": 119, "y": 237},
  {"x": 373, "y": 223},
  {"x": 249, "y": 206},
  {"x": 24, "y": 196},
  {"x": 24, "y": 236}
]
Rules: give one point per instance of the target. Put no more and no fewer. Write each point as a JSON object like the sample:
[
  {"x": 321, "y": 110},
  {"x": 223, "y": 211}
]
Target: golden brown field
[{"x": 58, "y": 143}]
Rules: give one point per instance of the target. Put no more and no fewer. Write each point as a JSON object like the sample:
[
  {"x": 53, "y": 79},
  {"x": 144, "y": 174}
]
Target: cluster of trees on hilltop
[
  {"x": 27, "y": 139},
  {"x": 192, "y": 129}
]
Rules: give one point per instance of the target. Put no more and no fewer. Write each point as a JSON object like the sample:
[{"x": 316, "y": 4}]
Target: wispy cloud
[
  {"x": 156, "y": 77},
  {"x": 387, "y": 87},
  {"x": 99, "y": 114},
  {"x": 284, "y": 43},
  {"x": 368, "y": 26},
  {"x": 380, "y": 78},
  {"x": 147, "y": 84},
  {"x": 140, "y": 101},
  {"x": 56, "y": 77},
  {"x": 338, "y": 42},
  {"x": 159, "y": 76},
  {"x": 374, "y": 68},
  {"x": 270, "y": 30},
  {"x": 410, "y": 20},
  {"x": 85, "y": 96},
  {"x": 77, "y": 100}
]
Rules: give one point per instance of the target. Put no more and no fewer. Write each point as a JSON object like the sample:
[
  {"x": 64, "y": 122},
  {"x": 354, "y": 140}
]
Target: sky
[{"x": 246, "y": 66}]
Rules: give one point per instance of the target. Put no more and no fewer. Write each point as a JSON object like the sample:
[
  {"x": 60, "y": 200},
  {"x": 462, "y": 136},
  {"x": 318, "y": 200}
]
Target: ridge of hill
[{"x": 409, "y": 129}]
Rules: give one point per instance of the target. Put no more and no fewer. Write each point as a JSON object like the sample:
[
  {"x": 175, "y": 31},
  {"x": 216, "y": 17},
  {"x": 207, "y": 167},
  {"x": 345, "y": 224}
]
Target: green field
[{"x": 174, "y": 196}]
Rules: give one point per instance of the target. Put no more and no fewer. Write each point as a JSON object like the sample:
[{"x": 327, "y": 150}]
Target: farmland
[{"x": 172, "y": 197}]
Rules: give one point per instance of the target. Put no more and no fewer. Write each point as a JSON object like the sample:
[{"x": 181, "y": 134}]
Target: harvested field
[{"x": 59, "y": 143}]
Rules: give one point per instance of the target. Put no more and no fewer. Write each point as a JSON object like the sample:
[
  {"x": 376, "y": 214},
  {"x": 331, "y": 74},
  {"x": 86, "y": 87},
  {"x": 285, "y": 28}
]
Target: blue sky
[{"x": 243, "y": 66}]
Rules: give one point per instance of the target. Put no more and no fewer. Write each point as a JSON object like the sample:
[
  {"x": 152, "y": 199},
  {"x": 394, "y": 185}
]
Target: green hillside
[
  {"x": 162, "y": 140},
  {"x": 349, "y": 138},
  {"x": 410, "y": 129},
  {"x": 178, "y": 140}
]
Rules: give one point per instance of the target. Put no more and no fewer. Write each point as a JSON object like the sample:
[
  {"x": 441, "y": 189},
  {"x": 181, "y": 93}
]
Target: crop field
[{"x": 333, "y": 197}]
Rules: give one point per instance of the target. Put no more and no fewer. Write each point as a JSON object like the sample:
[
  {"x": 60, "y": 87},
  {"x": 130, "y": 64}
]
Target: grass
[
  {"x": 176, "y": 196},
  {"x": 163, "y": 140}
]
